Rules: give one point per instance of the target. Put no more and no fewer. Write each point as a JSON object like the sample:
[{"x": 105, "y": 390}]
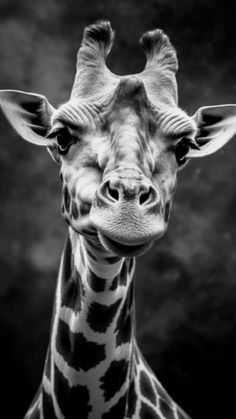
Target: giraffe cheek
[
  {"x": 74, "y": 211},
  {"x": 62, "y": 208},
  {"x": 67, "y": 199},
  {"x": 167, "y": 211}
]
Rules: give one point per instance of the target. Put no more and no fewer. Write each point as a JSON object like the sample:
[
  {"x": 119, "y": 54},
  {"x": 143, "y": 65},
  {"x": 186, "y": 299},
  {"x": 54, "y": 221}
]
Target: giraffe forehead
[
  {"x": 127, "y": 111},
  {"x": 127, "y": 97}
]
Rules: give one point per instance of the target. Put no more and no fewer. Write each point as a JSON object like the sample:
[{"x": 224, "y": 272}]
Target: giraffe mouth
[{"x": 124, "y": 249}]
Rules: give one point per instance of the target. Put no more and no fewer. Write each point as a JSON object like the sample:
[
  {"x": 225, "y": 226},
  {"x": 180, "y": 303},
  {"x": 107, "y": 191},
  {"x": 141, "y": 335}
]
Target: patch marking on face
[
  {"x": 67, "y": 199},
  {"x": 74, "y": 210},
  {"x": 167, "y": 211},
  {"x": 84, "y": 208}
]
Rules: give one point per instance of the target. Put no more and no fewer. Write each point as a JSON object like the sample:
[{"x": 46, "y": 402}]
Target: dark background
[{"x": 186, "y": 285}]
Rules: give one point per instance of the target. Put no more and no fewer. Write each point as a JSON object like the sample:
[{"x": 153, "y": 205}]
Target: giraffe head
[{"x": 120, "y": 140}]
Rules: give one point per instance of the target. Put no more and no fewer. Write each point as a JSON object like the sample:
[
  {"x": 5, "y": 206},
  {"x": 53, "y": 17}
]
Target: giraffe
[{"x": 120, "y": 142}]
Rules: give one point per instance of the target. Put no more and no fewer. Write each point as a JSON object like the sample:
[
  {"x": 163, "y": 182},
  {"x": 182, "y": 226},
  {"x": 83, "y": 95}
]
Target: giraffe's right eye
[{"x": 64, "y": 141}]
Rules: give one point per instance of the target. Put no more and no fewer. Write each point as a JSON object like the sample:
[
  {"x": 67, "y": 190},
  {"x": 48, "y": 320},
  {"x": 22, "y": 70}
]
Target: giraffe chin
[{"x": 122, "y": 249}]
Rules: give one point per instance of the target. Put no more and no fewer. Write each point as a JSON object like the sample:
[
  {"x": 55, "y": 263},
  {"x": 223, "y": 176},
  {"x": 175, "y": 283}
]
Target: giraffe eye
[
  {"x": 181, "y": 149},
  {"x": 64, "y": 141}
]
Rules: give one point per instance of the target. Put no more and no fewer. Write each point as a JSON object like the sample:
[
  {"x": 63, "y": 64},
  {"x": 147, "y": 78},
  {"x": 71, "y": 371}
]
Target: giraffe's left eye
[
  {"x": 64, "y": 141},
  {"x": 181, "y": 149}
]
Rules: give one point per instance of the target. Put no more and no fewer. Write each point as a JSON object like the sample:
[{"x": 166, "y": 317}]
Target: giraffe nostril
[
  {"x": 108, "y": 193},
  {"x": 112, "y": 193},
  {"x": 146, "y": 197}
]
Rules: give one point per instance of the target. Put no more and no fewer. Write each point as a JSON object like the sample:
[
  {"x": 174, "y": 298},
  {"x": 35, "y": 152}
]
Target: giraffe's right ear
[
  {"x": 30, "y": 115},
  {"x": 216, "y": 126}
]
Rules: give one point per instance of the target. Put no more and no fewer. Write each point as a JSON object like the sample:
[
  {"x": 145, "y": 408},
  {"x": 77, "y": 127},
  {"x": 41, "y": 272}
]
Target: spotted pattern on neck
[{"x": 94, "y": 368}]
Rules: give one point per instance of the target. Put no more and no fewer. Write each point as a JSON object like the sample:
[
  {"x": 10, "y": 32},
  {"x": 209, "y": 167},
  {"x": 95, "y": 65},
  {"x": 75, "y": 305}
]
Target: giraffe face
[
  {"x": 120, "y": 140},
  {"x": 119, "y": 161}
]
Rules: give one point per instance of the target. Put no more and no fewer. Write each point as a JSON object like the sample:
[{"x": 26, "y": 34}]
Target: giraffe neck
[{"x": 92, "y": 341}]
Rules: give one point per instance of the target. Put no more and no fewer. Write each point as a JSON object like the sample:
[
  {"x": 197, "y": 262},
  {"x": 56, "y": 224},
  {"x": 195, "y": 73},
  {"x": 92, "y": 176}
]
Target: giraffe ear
[
  {"x": 216, "y": 126},
  {"x": 29, "y": 114}
]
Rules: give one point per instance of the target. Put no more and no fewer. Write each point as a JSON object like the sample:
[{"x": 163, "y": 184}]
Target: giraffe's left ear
[
  {"x": 216, "y": 126},
  {"x": 30, "y": 115}
]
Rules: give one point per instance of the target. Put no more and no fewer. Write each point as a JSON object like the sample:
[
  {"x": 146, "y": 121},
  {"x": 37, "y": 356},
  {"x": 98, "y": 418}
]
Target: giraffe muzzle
[{"x": 128, "y": 213}]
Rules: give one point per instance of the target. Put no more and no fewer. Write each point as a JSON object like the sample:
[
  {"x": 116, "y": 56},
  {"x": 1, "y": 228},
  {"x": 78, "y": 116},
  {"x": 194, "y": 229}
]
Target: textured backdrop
[{"x": 186, "y": 286}]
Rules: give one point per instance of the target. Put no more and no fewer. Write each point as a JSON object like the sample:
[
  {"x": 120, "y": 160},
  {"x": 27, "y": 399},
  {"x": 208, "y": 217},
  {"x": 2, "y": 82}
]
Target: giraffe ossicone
[{"x": 120, "y": 142}]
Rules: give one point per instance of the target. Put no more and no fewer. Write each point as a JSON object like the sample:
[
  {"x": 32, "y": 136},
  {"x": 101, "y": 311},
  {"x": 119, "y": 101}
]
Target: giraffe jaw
[
  {"x": 124, "y": 249},
  {"x": 127, "y": 232}
]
